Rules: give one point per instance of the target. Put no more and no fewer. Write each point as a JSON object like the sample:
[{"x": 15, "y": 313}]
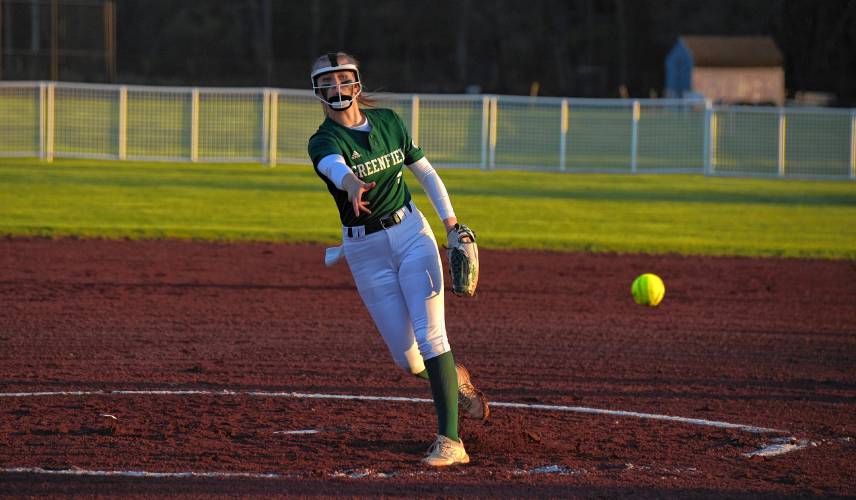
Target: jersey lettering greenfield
[
  {"x": 376, "y": 156},
  {"x": 366, "y": 169}
]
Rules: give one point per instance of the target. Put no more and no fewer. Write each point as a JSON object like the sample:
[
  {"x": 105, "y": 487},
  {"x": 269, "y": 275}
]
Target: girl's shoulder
[
  {"x": 323, "y": 135},
  {"x": 379, "y": 112},
  {"x": 322, "y": 143},
  {"x": 383, "y": 115}
]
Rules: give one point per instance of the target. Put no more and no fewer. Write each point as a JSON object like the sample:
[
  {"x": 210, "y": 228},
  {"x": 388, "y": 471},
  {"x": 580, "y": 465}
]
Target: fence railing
[{"x": 266, "y": 125}]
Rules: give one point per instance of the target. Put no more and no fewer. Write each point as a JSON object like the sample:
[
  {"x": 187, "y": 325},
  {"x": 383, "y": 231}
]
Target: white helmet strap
[{"x": 340, "y": 101}]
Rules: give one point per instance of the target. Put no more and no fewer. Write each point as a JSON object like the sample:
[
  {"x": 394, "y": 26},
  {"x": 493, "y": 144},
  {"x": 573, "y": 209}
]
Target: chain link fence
[{"x": 48, "y": 119}]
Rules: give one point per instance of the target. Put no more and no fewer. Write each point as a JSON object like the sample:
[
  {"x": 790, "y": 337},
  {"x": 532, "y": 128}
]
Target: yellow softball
[{"x": 648, "y": 290}]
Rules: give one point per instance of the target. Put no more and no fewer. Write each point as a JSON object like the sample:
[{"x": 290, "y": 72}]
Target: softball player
[{"x": 387, "y": 242}]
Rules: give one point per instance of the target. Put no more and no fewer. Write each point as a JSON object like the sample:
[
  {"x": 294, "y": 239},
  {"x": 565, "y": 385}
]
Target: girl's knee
[{"x": 410, "y": 360}]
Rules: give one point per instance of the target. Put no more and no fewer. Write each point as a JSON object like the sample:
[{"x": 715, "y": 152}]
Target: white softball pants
[{"x": 400, "y": 279}]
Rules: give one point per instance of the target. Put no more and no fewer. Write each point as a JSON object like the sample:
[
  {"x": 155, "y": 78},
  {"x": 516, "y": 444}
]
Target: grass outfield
[{"x": 687, "y": 214}]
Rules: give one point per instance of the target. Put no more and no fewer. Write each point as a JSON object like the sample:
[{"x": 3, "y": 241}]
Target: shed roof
[{"x": 733, "y": 51}]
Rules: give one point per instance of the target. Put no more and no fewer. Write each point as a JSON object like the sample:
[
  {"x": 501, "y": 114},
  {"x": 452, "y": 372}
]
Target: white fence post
[
  {"x": 485, "y": 135},
  {"x": 492, "y": 153},
  {"x": 634, "y": 138},
  {"x": 563, "y": 137},
  {"x": 42, "y": 120},
  {"x": 853, "y": 144},
  {"x": 194, "y": 124},
  {"x": 780, "y": 161},
  {"x": 265, "y": 127},
  {"x": 708, "y": 118},
  {"x": 123, "y": 122},
  {"x": 50, "y": 119},
  {"x": 274, "y": 127},
  {"x": 714, "y": 140},
  {"x": 414, "y": 119}
]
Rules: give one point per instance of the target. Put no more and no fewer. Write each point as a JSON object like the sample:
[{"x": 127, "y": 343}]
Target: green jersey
[{"x": 376, "y": 156}]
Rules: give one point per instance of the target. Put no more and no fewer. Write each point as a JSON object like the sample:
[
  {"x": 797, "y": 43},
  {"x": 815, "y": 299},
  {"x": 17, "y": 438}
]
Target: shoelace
[{"x": 441, "y": 447}]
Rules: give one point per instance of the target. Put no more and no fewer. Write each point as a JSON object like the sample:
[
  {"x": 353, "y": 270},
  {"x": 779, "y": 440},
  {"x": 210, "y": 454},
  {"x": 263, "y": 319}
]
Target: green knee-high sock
[
  {"x": 422, "y": 374},
  {"x": 444, "y": 387}
]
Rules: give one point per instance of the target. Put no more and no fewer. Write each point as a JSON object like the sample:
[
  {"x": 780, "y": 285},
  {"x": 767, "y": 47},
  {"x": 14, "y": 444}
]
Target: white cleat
[
  {"x": 473, "y": 401},
  {"x": 446, "y": 452}
]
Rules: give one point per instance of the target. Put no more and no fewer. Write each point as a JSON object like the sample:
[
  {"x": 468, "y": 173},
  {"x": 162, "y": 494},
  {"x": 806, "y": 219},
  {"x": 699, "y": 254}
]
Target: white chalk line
[
  {"x": 781, "y": 446},
  {"x": 358, "y": 397},
  {"x": 140, "y": 473}
]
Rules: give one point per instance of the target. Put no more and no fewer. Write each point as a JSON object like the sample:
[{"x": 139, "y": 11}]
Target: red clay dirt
[{"x": 761, "y": 342}]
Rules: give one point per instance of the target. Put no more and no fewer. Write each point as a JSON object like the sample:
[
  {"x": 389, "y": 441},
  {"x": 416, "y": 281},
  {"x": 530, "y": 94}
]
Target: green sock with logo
[{"x": 444, "y": 387}]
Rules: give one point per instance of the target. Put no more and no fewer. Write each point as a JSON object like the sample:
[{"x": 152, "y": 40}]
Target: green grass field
[{"x": 686, "y": 214}]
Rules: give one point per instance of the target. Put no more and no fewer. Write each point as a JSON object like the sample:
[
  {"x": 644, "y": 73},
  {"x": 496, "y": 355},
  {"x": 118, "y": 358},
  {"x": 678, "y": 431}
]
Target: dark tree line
[{"x": 601, "y": 48}]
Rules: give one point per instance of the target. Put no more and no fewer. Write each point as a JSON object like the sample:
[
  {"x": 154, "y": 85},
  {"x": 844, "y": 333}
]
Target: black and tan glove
[{"x": 463, "y": 256}]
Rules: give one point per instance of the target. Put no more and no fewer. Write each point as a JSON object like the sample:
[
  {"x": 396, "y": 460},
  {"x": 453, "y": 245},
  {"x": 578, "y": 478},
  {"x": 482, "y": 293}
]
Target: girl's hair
[{"x": 363, "y": 98}]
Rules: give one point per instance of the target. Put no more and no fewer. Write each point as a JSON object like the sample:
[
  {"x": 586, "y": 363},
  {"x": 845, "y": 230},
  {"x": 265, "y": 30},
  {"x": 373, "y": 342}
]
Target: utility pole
[
  {"x": 621, "y": 22},
  {"x": 267, "y": 20},
  {"x": 315, "y": 13},
  {"x": 110, "y": 39},
  {"x": 1, "y": 40},
  {"x": 54, "y": 40},
  {"x": 461, "y": 41},
  {"x": 35, "y": 41}
]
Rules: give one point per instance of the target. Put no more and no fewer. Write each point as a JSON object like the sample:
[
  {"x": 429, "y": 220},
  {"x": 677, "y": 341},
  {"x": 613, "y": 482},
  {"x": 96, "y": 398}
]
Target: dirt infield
[{"x": 768, "y": 343}]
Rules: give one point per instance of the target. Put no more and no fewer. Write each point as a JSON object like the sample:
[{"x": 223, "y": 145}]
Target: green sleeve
[
  {"x": 321, "y": 145},
  {"x": 412, "y": 152}
]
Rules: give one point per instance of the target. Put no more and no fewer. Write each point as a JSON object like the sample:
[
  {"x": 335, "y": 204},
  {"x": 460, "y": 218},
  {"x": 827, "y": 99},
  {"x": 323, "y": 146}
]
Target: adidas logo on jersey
[{"x": 355, "y": 155}]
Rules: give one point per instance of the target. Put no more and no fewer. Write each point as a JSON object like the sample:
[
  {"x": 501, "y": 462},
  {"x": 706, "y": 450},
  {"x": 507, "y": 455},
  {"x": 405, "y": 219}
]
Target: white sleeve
[
  {"x": 433, "y": 186},
  {"x": 334, "y": 168}
]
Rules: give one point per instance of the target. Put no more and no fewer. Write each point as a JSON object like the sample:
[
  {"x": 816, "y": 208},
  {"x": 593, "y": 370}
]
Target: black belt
[{"x": 385, "y": 222}]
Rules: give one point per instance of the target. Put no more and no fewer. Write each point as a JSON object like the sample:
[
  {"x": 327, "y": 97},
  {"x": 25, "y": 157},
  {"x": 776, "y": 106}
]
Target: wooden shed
[{"x": 728, "y": 69}]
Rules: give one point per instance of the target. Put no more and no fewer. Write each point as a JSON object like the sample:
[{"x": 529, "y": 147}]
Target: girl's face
[{"x": 338, "y": 83}]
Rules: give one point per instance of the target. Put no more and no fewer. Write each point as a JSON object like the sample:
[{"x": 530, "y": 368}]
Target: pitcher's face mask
[{"x": 337, "y": 85}]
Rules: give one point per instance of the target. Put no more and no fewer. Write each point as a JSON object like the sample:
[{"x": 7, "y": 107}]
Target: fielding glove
[{"x": 463, "y": 256}]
